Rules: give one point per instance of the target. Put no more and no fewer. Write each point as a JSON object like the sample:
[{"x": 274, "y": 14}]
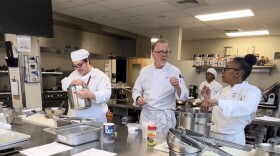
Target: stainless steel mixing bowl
[{"x": 175, "y": 143}]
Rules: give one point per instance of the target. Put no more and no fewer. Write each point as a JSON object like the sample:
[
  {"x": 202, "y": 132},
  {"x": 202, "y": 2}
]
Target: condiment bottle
[{"x": 151, "y": 135}]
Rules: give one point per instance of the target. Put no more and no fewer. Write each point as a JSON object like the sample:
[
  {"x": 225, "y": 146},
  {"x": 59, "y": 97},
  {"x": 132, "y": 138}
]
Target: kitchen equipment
[
  {"x": 195, "y": 120},
  {"x": 5, "y": 118},
  {"x": 269, "y": 94},
  {"x": 133, "y": 128},
  {"x": 13, "y": 139},
  {"x": 176, "y": 145},
  {"x": 88, "y": 81},
  {"x": 55, "y": 98},
  {"x": 54, "y": 111},
  {"x": 75, "y": 102},
  {"x": 193, "y": 91},
  {"x": 267, "y": 149},
  {"x": 271, "y": 148},
  {"x": 10, "y": 112},
  {"x": 77, "y": 134}
]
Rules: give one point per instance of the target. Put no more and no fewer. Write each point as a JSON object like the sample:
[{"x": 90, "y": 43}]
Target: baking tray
[
  {"x": 14, "y": 138},
  {"x": 77, "y": 134}
]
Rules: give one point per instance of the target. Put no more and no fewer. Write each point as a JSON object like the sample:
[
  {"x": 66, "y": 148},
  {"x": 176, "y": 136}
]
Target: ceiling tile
[
  {"x": 121, "y": 4},
  {"x": 62, "y": 4},
  {"x": 108, "y": 15},
  {"x": 83, "y": 10},
  {"x": 166, "y": 15},
  {"x": 148, "y": 9}
]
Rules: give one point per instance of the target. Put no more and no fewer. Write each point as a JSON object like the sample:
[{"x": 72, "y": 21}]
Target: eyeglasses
[
  {"x": 78, "y": 65},
  {"x": 227, "y": 68},
  {"x": 163, "y": 53}
]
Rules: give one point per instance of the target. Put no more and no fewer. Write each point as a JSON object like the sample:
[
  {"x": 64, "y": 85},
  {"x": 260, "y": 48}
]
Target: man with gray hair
[
  {"x": 98, "y": 89},
  {"x": 210, "y": 82},
  {"x": 156, "y": 90}
]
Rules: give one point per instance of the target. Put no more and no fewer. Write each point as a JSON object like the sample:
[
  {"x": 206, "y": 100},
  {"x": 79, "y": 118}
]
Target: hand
[
  {"x": 207, "y": 103},
  {"x": 140, "y": 101},
  {"x": 174, "y": 82},
  {"x": 205, "y": 92},
  {"x": 85, "y": 93},
  {"x": 77, "y": 82}
]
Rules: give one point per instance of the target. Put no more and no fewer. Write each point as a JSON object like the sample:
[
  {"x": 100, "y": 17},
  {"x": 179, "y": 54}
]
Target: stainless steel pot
[
  {"x": 196, "y": 121},
  {"x": 74, "y": 101},
  {"x": 10, "y": 112},
  {"x": 267, "y": 149}
]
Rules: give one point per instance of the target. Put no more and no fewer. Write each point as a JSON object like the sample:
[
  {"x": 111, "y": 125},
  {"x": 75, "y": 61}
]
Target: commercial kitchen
[{"x": 118, "y": 33}]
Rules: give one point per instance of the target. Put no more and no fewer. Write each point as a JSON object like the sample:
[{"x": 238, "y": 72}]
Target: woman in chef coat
[
  {"x": 210, "y": 82},
  {"x": 156, "y": 90},
  {"x": 235, "y": 106},
  {"x": 98, "y": 90}
]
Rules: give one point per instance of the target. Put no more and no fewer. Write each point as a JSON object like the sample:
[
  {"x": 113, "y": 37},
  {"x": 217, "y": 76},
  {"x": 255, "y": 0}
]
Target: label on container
[
  {"x": 62, "y": 138},
  {"x": 151, "y": 138},
  {"x": 108, "y": 132}
]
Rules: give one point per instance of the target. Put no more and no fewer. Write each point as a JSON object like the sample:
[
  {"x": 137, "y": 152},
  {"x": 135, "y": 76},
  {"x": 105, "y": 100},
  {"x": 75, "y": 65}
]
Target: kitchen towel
[{"x": 96, "y": 152}]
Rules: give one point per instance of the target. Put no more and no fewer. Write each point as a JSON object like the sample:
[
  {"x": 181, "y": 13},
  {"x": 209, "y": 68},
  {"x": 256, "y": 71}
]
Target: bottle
[{"x": 151, "y": 135}]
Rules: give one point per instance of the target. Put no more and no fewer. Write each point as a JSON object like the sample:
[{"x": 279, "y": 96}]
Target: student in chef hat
[
  {"x": 212, "y": 71},
  {"x": 210, "y": 82},
  {"x": 98, "y": 89},
  {"x": 79, "y": 55}
]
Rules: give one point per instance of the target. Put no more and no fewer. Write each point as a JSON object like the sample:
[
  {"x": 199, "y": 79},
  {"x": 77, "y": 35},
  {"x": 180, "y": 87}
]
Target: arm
[
  {"x": 137, "y": 92},
  {"x": 233, "y": 108},
  {"x": 182, "y": 92}
]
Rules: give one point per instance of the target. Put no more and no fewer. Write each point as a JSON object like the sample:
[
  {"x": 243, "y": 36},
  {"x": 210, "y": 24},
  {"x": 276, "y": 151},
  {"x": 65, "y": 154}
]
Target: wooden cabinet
[{"x": 143, "y": 46}]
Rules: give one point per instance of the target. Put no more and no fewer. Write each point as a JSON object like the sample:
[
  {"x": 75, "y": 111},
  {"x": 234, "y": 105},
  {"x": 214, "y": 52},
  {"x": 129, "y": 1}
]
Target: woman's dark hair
[{"x": 246, "y": 64}]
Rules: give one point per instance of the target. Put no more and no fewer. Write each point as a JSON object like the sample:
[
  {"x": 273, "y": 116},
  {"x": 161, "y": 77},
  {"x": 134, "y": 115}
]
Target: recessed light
[
  {"x": 248, "y": 33},
  {"x": 225, "y": 15},
  {"x": 153, "y": 40}
]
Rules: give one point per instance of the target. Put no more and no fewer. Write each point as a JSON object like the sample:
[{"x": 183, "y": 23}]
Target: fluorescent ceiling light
[
  {"x": 153, "y": 40},
  {"x": 248, "y": 33},
  {"x": 225, "y": 15}
]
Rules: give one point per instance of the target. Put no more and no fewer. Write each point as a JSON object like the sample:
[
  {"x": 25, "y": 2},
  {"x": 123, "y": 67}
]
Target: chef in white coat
[
  {"x": 235, "y": 106},
  {"x": 210, "y": 82},
  {"x": 98, "y": 90},
  {"x": 157, "y": 88}
]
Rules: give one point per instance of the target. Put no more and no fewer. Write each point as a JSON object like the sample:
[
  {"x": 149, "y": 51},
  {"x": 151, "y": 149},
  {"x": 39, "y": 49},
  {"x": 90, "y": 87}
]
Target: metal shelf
[
  {"x": 4, "y": 72},
  {"x": 256, "y": 69},
  {"x": 52, "y": 73}
]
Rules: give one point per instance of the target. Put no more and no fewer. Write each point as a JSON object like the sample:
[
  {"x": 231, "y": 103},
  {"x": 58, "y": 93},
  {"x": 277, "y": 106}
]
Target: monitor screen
[{"x": 26, "y": 17}]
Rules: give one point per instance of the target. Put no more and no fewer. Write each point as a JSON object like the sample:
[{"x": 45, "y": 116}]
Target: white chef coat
[
  {"x": 101, "y": 86},
  {"x": 214, "y": 86},
  {"x": 160, "y": 96},
  {"x": 236, "y": 108}
]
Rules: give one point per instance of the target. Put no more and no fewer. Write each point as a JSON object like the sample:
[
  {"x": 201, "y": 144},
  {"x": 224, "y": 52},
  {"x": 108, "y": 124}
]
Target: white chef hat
[
  {"x": 212, "y": 71},
  {"x": 79, "y": 55}
]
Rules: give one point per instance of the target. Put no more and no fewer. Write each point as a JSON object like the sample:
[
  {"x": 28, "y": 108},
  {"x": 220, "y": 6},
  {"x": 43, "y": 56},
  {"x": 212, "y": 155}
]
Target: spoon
[
  {"x": 61, "y": 104},
  {"x": 88, "y": 81}
]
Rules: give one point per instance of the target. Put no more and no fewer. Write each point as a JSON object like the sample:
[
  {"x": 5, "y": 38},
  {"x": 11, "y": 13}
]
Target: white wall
[{"x": 265, "y": 46}]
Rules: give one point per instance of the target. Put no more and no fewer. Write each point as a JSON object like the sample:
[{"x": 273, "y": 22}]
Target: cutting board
[{"x": 39, "y": 119}]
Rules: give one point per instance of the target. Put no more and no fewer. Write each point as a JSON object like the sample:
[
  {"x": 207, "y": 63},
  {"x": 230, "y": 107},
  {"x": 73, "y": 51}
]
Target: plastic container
[
  {"x": 133, "y": 128},
  {"x": 151, "y": 135}
]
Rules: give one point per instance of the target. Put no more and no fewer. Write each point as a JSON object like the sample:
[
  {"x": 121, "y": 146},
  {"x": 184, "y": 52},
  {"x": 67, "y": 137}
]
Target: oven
[
  {"x": 6, "y": 98},
  {"x": 55, "y": 98}
]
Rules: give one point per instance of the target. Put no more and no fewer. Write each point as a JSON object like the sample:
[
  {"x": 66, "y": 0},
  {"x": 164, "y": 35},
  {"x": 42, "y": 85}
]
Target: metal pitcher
[{"x": 74, "y": 101}]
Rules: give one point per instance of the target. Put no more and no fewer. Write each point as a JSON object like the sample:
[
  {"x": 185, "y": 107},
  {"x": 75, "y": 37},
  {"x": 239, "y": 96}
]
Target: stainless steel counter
[
  {"x": 122, "y": 103},
  {"x": 125, "y": 144}
]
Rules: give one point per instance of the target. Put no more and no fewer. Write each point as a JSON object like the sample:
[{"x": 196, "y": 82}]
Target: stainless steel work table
[{"x": 125, "y": 144}]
